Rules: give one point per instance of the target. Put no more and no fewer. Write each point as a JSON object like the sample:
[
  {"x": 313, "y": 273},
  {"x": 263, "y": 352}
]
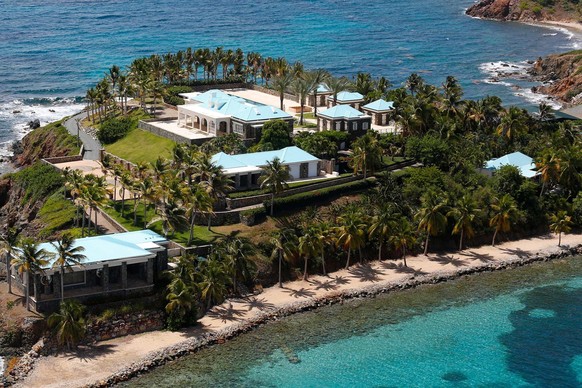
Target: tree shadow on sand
[
  {"x": 328, "y": 285},
  {"x": 401, "y": 268},
  {"x": 516, "y": 252},
  {"x": 482, "y": 257},
  {"x": 256, "y": 303},
  {"x": 225, "y": 313},
  {"x": 366, "y": 273},
  {"x": 339, "y": 280},
  {"x": 88, "y": 353},
  {"x": 300, "y": 293},
  {"x": 447, "y": 259}
]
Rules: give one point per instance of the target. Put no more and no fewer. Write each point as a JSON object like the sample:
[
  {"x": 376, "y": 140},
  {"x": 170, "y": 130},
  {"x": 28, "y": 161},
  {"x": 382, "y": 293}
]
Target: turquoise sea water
[
  {"x": 52, "y": 50},
  {"x": 517, "y": 328}
]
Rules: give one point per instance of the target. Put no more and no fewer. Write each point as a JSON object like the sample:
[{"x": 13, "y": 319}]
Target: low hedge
[
  {"x": 253, "y": 216},
  {"x": 316, "y": 196}
]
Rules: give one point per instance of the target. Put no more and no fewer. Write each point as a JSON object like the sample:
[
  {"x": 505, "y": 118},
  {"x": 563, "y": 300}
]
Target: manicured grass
[
  {"x": 387, "y": 160},
  {"x": 202, "y": 235},
  {"x": 309, "y": 115},
  {"x": 141, "y": 146}
]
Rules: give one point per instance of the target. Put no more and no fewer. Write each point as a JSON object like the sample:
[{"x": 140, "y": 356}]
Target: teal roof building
[{"x": 524, "y": 164}]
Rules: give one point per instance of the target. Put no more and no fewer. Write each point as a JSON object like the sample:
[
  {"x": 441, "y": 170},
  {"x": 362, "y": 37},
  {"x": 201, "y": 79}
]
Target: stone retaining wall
[
  {"x": 147, "y": 126},
  {"x": 120, "y": 228},
  {"x": 118, "y": 326},
  {"x": 235, "y": 203}
]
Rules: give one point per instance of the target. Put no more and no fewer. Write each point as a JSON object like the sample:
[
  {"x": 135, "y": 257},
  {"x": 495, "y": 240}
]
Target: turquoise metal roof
[
  {"x": 322, "y": 88},
  {"x": 112, "y": 246},
  {"x": 524, "y": 163},
  {"x": 347, "y": 96},
  {"x": 380, "y": 105},
  {"x": 287, "y": 155},
  {"x": 239, "y": 108},
  {"x": 341, "y": 112}
]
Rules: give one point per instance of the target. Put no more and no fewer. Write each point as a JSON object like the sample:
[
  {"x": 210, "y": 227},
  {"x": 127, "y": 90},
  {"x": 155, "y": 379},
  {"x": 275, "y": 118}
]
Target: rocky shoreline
[{"x": 192, "y": 345}]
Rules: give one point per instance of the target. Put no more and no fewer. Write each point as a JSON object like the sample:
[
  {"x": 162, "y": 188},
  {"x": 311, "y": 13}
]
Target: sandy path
[{"x": 96, "y": 363}]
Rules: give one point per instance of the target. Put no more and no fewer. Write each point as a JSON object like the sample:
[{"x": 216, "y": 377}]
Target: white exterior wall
[
  {"x": 313, "y": 169},
  {"x": 294, "y": 170}
]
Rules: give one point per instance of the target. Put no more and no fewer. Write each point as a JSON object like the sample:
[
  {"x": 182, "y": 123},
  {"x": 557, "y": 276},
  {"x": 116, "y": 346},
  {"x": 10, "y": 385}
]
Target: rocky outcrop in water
[
  {"x": 561, "y": 75},
  {"x": 523, "y": 11}
]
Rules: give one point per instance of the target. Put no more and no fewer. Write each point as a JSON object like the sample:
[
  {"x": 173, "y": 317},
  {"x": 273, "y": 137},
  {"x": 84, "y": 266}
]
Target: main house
[
  {"x": 218, "y": 113},
  {"x": 117, "y": 266},
  {"x": 245, "y": 169}
]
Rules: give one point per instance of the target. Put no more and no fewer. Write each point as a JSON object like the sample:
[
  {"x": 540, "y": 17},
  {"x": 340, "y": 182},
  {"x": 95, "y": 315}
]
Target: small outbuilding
[
  {"x": 353, "y": 99},
  {"x": 524, "y": 164},
  {"x": 379, "y": 110},
  {"x": 344, "y": 118},
  {"x": 322, "y": 93},
  {"x": 245, "y": 169}
]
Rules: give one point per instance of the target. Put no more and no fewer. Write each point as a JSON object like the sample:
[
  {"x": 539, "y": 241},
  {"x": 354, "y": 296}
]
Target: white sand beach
[{"x": 91, "y": 364}]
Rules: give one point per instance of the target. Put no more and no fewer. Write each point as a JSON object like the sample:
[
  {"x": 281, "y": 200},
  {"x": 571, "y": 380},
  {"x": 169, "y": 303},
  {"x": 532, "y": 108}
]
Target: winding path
[{"x": 92, "y": 145}]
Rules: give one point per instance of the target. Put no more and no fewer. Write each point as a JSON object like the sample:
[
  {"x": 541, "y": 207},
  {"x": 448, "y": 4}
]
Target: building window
[
  {"x": 365, "y": 125},
  {"x": 338, "y": 126},
  {"x": 238, "y": 129},
  {"x": 74, "y": 278}
]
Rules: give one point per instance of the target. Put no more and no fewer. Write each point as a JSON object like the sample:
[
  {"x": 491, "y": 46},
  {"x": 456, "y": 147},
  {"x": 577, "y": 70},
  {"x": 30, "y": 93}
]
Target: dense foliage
[
  {"x": 114, "y": 129},
  {"x": 39, "y": 181}
]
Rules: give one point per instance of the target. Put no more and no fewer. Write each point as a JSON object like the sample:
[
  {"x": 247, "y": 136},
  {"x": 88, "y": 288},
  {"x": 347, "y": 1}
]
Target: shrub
[
  {"x": 253, "y": 216},
  {"x": 174, "y": 100},
  {"x": 114, "y": 129},
  {"x": 310, "y": 197},
  {"x": 39, "y": 181}
]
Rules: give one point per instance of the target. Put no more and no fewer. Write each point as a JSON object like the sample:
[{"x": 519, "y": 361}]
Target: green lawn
[
  {"x": 387, "y": 160},
  {"x": 141, "y": 146},
  {"x": 202, "y": 235}
]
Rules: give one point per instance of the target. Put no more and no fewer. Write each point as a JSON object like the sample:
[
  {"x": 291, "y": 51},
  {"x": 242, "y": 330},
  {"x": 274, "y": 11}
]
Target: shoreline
[{"x": 120, "y": 359}]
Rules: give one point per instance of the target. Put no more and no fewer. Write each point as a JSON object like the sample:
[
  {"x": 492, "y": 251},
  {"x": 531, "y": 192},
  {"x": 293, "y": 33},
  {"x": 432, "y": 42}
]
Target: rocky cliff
[
  {"x": 24, "y": 193},
  {"x": 526, "y": 10},
  {"x": 561, "y": 75}
]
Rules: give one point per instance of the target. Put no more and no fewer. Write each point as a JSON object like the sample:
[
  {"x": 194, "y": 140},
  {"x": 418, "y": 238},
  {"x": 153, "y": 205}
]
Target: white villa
[
  {"x": 245, "y": 169},
  {"x": 218, "y": 113}
]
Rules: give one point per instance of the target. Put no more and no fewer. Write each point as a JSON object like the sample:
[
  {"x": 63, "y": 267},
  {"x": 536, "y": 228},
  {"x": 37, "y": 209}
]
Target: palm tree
[
  {"x": 548, "y": 165},
  {"x": 148, "y": 193},
  {"x": 181, "y": 299},
  {"x": 214, "y": 281},
  {"x": 310, "y": 245},
  {"x": 29, "y": 260},
  {"x": 351, "y": 233},
  {"x": 316, "y": 78},
  {"x": 366, "y": 155},
  {"x": 545, "y": 112},
  {"x": 432, "y": 216},
  {"x": 216, "y": 185},
  {"x": 126, "y": 183},
  {"x": 403, "y": 237},
  {"x": 281, "y": 84},
  {"x": 284, "y": 242},
  {"x": 198, "y": 200},
  {"x": 512, "y": 123},
  {"x": 274, "y": 177},
  {"x": 414, "y": 83},
  {"x": 235, "y": 253},
  {"x": 301, "y": 88},
  {"x": 382, "y": 226},
  {"x": 66, "y": 255},
  {"x": 171, "y": 214},
  {"x": 336, "y": 86},
  {"x": 8, "y": 249},
  {"x": 505, "y": 212},
  {"x": 561, "y": 222},
  {"x": 68, "y": 323},
  {"x": 464, "y": 213}
]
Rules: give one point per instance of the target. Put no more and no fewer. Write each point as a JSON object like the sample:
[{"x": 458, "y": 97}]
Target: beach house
[
  {"x": 117, "y": 267},
  {"x": 524, "y": 163},
  {"x": 344, "y": 118},
  {"x": 218, "y": 113},
  {"x": 245, "y": 169},
  {"x": 379, "y": 110}
]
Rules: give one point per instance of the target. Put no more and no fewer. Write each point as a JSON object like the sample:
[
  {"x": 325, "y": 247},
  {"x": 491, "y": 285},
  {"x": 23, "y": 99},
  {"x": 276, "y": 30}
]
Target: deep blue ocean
[
  {"x": 51, "y": 51},
  {"x": 515, "y": 328}
]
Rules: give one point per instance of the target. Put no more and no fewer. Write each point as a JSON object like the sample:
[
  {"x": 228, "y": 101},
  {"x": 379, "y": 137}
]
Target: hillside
[
  {"x": 527, "y": 10},
  {"x": 562, "y": 75}
]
